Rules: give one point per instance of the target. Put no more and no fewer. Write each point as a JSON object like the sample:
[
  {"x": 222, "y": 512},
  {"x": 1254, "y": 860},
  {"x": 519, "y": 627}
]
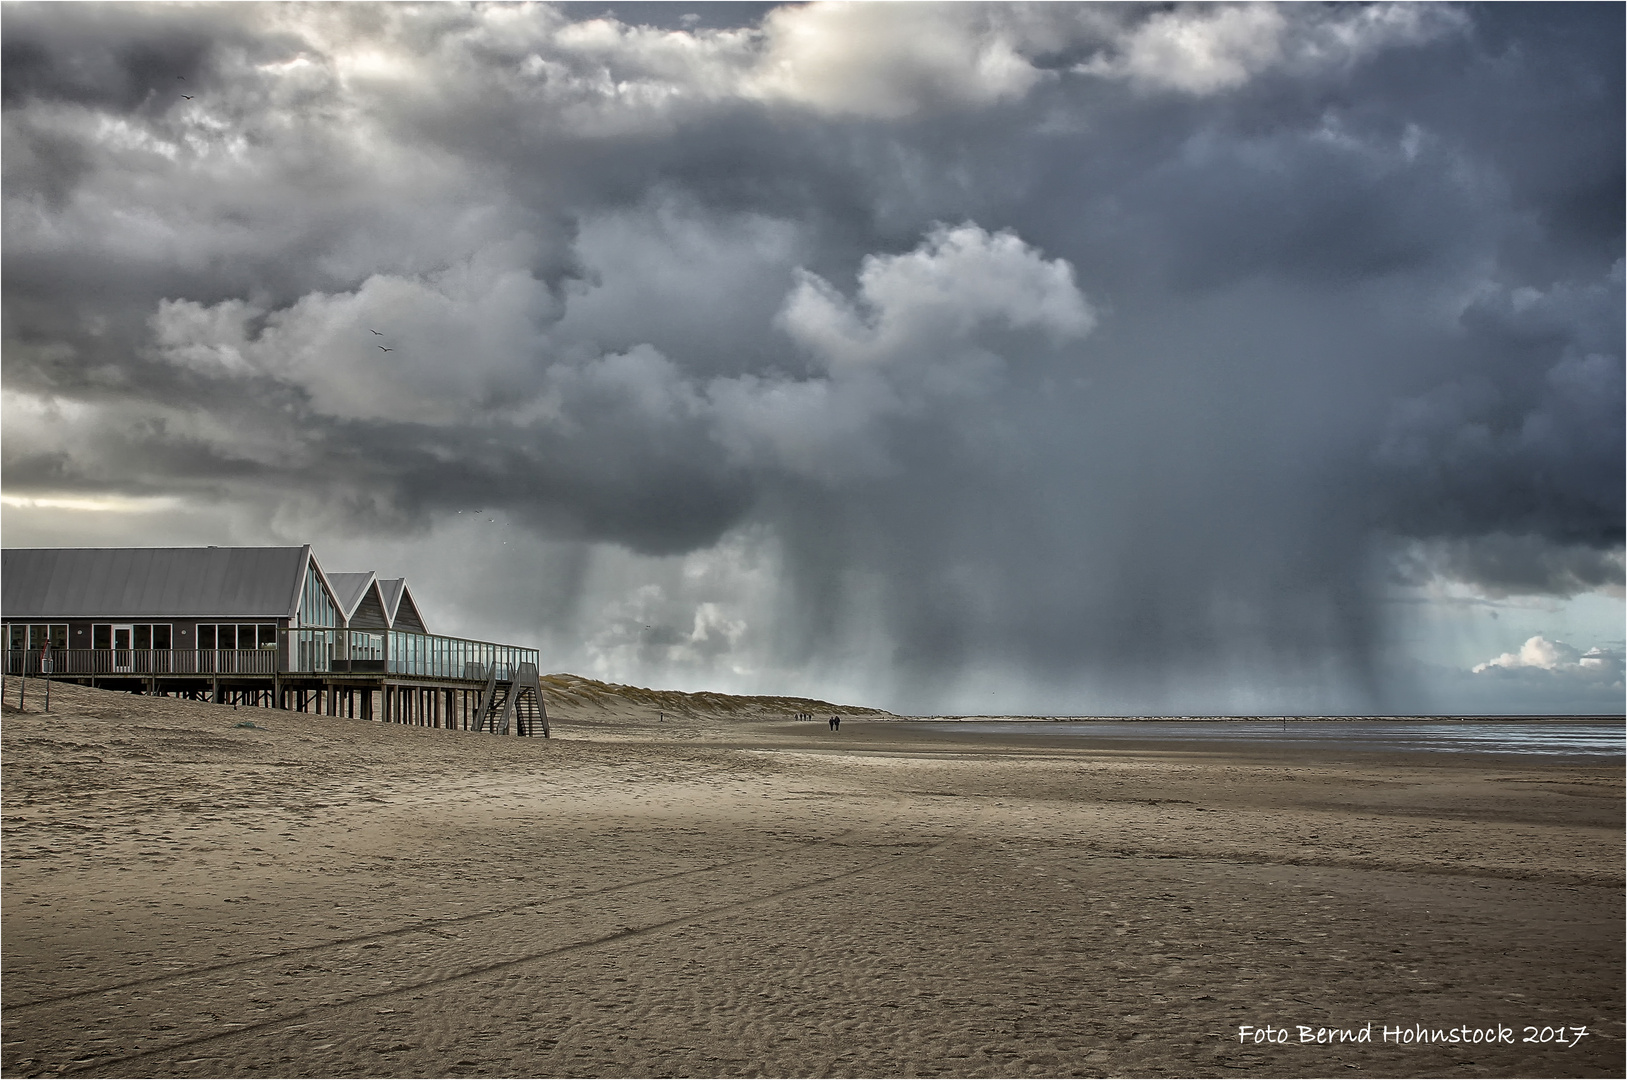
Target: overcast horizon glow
[{"x": 953, "y": 358}]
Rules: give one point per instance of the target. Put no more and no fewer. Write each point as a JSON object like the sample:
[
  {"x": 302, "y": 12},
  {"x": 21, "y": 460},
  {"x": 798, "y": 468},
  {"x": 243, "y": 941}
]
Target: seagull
[
  {"x": 187, "y": 96},
  {"x": 370, "y": 330},
  {"x": 386, "y": 350}
]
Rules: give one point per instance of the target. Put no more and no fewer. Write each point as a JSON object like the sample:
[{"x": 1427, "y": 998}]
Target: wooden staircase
[{"x": 516, "y": 702}]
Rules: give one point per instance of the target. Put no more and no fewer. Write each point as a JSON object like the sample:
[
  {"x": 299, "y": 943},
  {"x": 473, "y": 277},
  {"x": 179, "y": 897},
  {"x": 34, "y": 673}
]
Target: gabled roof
[
  {"x": 348, "y": 590},
  {"x": 244, "y": 582},
  {"x": 399, "y": 606},
  {"x": 361, "y": 603},
  {"x": 391, "y": 589}
]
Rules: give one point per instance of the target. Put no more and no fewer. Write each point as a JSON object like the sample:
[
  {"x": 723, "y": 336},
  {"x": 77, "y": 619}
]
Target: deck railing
[
  {"x": 112, "y": 662},
  {"x": 422, "y": 655},
  {"x": 454, "y": 658}
]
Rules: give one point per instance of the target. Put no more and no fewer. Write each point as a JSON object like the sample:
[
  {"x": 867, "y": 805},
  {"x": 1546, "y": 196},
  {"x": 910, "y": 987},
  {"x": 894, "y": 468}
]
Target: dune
[
  {"x": 193, "y": 890},
  {"x": 588, "y": 701}
]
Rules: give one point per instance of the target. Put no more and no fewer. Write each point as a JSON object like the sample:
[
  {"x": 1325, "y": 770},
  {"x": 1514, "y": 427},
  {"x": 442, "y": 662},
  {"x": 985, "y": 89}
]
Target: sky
[{"x": 948, "y": 358}]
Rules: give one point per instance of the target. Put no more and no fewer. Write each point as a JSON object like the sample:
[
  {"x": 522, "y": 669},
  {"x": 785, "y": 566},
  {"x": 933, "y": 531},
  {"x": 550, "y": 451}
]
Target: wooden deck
[{"x": 485, "y": 699}]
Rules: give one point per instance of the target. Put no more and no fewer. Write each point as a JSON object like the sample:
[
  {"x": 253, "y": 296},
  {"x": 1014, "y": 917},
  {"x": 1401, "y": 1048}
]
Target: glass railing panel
[{"x": 439, "y": 657}]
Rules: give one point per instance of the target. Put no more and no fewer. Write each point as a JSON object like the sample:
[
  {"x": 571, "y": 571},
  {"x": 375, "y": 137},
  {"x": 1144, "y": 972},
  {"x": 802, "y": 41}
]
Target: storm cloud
[{"x": 1042, "y": 357}]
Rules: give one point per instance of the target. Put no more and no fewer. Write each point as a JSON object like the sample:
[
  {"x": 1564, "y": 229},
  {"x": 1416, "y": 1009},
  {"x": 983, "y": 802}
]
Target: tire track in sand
[
  {"x": 452, "y": 972},
  {"x": 430, "y": 926}
]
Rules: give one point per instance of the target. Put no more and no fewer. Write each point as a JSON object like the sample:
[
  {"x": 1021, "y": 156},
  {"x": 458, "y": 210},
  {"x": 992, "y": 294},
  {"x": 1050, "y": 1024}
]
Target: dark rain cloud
[{"x": 1116, "y": 346}]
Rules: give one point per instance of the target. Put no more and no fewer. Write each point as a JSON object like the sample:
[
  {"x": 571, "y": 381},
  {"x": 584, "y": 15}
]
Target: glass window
[
  {"x": 101, "y": 636},
  {"x": 161, "y": 636},
  {"x": 143, "y": 636},
  {"x": 311, "y": 650},
  {"x": 233, "y": 636},
  {"x": 315, "y": 609},
  {"x": 16, "y": 637},
  {"x": 366, "y": 646},
  {"x": 52, "y": 635}
]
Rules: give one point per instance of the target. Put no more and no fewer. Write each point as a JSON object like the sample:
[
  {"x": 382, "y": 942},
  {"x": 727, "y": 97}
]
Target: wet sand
[{"x": 326, "y": 897}]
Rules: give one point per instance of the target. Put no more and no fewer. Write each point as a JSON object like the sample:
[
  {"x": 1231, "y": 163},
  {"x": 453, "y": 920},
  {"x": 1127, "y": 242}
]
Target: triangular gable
[
  {"x": 406, "y": 613},
  {"x": 368, "y": 612},
  {"x": 314, "y": 568},
  {"x": 399, "y": 605},
  {"x": 390, "y": 590},
  {"x": 348, "y": 590}
]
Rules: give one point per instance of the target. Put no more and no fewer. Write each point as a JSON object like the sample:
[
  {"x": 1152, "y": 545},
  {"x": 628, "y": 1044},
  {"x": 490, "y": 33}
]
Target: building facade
[{"x": 268, "y": 622}]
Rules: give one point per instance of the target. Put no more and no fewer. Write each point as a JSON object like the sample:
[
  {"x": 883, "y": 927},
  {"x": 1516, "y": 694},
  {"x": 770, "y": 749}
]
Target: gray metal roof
[
  {"x": 391, "y": 589},
  {"x": 48, "y": 583},
  {"x": 348, "y": 590},
  {"x": 399, "y": 606}
]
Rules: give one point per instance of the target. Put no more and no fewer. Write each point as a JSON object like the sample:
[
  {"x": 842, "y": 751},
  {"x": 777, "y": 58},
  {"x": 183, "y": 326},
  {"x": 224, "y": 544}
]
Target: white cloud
[
  {"x": 691, "y": 613},
  {"x": 877, "y": 60},
  {"x": 458, "y": 340},
  {"x": 482, "y": 340},
  {"x": 1557, "y": 658},
  {"x": 1537, "y": 652},
  {"x": 890, "y": 60},
  {"x": 212, "y": 340},
  {"x": 1198, "y": 50},
  {"x": 925, "y": 326},
  {"x": 955, "y": 282},
  {"x": 1208, "y": 48}
]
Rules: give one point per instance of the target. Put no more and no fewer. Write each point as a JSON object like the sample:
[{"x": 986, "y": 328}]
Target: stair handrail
[
  {"x": 484, "y": 703},
  {"x": 525, "y": 678}
]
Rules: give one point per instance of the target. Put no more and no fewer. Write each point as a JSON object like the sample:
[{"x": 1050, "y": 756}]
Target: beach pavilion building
[{"x": 257, "y": 626}]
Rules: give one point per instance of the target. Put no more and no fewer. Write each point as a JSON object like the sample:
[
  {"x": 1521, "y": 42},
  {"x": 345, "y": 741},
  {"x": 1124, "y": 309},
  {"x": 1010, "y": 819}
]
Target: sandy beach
[{"x": 311, "y": 896}]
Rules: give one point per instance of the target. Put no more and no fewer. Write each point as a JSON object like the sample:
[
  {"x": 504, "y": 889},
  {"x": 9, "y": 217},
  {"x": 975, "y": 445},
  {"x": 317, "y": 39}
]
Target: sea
[{"x": 1591, "y": 738}]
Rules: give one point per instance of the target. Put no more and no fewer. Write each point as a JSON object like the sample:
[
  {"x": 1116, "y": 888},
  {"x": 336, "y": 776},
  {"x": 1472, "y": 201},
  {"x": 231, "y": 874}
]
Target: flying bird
[
  {"x": 386, "y": 350},
  {"x": 187, "y": 96},
  {"x": 370, "y": 330}
]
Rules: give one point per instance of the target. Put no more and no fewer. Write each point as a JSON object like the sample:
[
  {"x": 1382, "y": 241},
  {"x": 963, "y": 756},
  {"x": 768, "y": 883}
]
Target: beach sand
[{"x": 703, "y": 897}]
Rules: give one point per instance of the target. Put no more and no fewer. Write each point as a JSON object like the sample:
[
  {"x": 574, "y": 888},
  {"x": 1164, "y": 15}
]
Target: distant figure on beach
[{"x": 836, "y": 723}]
